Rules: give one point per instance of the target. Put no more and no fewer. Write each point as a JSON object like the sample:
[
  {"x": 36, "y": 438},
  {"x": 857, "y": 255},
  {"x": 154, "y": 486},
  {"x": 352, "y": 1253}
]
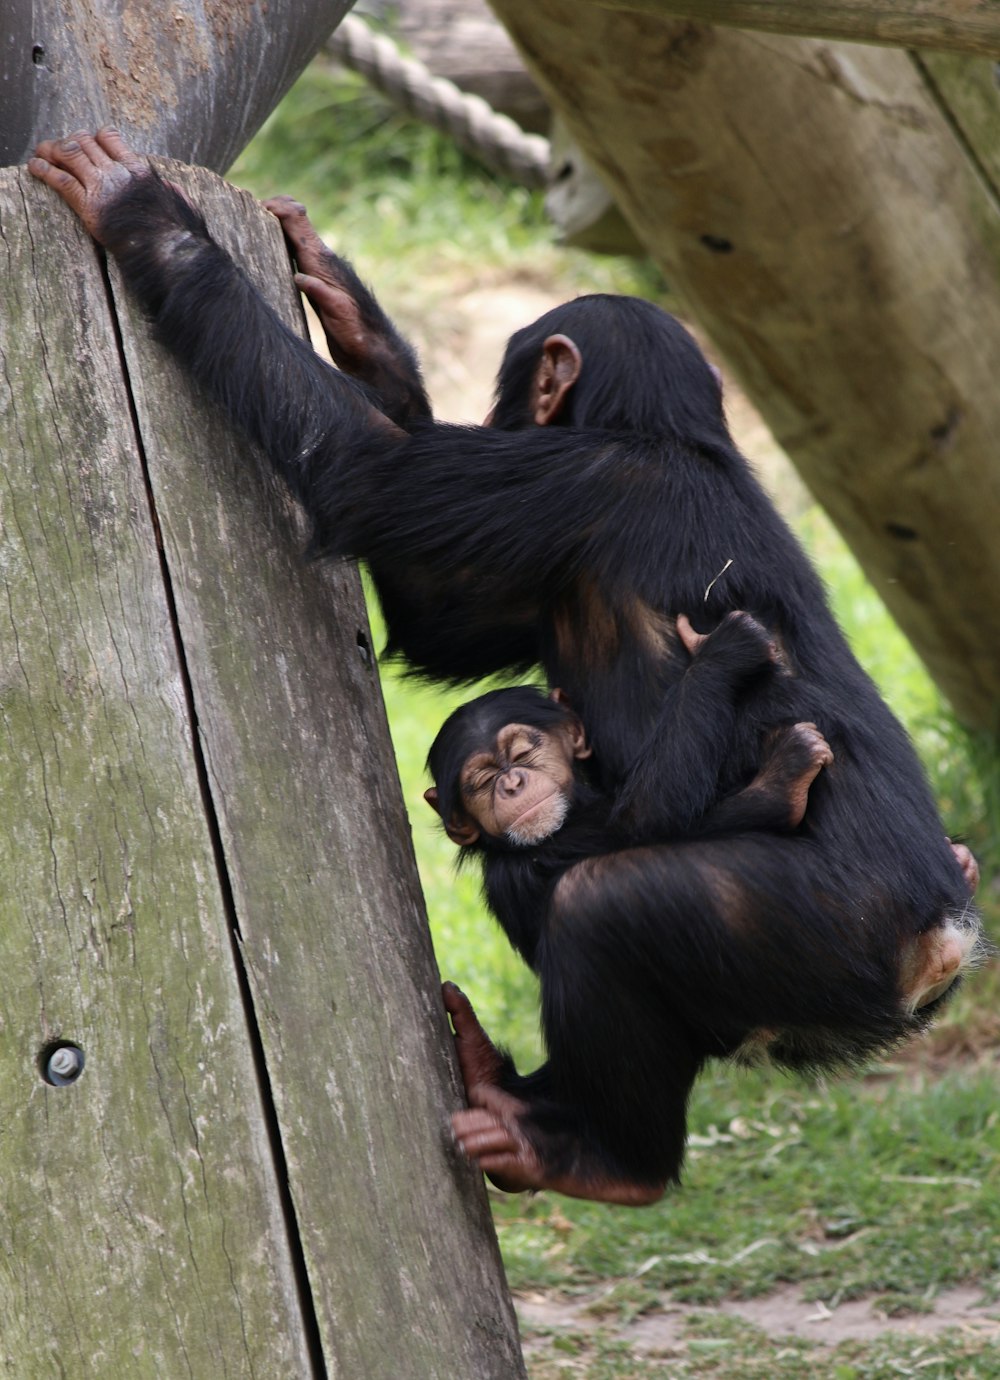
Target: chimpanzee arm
[
  {"x": 205, "y": 309},
  {"x": 455, "y": 522},
  {"x": 474, "y": 535},
  {"x": 362, "y": 340}
]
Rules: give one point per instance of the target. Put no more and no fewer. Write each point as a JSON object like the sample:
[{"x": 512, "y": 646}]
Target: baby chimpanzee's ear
[{"x": 460, "y": 831}]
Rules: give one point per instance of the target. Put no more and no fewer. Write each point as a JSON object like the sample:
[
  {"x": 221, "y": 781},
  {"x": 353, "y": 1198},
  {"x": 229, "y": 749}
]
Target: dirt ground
[{"x": 784, "y": 1313}]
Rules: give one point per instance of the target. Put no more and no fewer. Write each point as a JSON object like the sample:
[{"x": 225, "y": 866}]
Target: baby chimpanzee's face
[{"x": 520, "y": 787}]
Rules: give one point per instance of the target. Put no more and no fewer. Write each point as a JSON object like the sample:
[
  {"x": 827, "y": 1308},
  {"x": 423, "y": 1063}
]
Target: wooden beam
[{"x": 961, "y": 26}]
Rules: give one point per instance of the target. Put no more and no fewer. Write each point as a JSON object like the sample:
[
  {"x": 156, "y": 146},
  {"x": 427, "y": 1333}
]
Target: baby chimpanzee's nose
[{"x": 512, "y": 782}]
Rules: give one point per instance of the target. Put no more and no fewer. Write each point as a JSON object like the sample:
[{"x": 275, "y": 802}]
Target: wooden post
[
  {"x": 820, "y": 211},
  {"x": 188, "y": 79},
  {"x": 207, "y": 887}
]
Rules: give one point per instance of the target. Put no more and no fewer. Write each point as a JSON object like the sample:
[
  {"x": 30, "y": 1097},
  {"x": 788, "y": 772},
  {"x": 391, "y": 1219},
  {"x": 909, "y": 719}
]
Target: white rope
[{"x": 500, "y": 143}]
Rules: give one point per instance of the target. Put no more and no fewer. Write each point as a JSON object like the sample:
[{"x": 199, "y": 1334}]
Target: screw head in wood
[{"x": 64, "y": 1065}]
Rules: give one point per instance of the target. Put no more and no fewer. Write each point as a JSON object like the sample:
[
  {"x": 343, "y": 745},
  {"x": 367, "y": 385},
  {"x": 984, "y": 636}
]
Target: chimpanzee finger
[
  {"x": 492, "y": 1098},
  {"x": 282, "y": 205},
  {"x": 93, "y": 150},
  {"x": 61, "y": 181},
  {"x": 478, "y": 1059},
  {"x": 501, "y": 1167},
  {"x": 81, "y": 155},
  {"x": 334, "y": 306},
  {"x": 479, "y": 1136},
  {"x": 114, "y": 146}
]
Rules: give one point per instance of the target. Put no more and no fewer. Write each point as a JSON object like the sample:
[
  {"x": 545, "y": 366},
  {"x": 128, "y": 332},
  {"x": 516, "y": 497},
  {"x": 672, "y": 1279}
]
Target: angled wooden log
[
  {"x": 207, "y": 887},
  {"x": 961, "y": 26},
  {"x": 814, "y": 209}
]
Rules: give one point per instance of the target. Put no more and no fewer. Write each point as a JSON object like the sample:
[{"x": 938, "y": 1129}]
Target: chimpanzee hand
[
  {"x": 351, "y": 344},
  {"x": 89, "y": 171},
  {"x": 361, "y": 338}
]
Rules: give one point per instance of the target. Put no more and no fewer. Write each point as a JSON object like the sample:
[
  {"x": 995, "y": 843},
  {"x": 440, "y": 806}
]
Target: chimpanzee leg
[
  {"x": 645, "y": 964},
  {"x": 654, "y": 958},
  {"x": 675, "y": 778},
  {"x": 777, "y": 796}
]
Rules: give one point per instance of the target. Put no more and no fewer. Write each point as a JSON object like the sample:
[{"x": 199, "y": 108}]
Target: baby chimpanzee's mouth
[{"x": 529, "y": 828}]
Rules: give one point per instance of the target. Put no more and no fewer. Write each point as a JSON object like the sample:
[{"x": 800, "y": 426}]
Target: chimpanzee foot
[
  {"x": 492, "y": 1135},
  {"x": 492, "y": 1132},
  {"x": 794, "y": 758},
  {"x": 803, "y": 742},
  {"x": 479, "y": 1060},
  {"x": 489, "y": 1132},
  {"x": 967, "y": 862},
  {"x": 693, "y": 642}
]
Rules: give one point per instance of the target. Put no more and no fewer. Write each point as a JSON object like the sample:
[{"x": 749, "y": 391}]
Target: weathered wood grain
[
  {"x": 140, "y": 1234},
  {"x": 401, "y": 1255},
  {"x": 194, "y": 79}
]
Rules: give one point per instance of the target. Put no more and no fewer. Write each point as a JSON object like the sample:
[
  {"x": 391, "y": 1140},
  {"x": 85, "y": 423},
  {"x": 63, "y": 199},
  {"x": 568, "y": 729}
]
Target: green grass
[
  {"x": 384, "y": 181},
  {"x": 887, "y": 1185},
  {"x": 890, "y": 1188}
]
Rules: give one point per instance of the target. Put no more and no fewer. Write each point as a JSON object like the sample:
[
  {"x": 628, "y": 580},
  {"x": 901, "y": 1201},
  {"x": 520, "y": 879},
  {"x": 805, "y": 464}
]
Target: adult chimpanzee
[{"x": 605, "y": 499}]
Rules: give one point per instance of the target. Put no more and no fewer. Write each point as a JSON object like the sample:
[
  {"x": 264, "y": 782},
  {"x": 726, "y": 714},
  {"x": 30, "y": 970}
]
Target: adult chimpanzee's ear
[
  {"x": 460, "y": 831},
  {"x": 557, "y": 372},
  {"x": 578, "y": 738},
  {"x": 581, "y": 748}
]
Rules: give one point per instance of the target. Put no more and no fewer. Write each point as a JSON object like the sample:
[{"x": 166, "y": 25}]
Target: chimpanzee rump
[{"x": 606, "y": 499}]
